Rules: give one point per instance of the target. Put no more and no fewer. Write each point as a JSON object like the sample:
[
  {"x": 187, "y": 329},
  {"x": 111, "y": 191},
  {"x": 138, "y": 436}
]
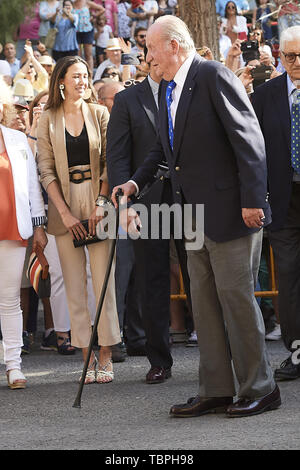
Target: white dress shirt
[{"x": 179, "y": 79}]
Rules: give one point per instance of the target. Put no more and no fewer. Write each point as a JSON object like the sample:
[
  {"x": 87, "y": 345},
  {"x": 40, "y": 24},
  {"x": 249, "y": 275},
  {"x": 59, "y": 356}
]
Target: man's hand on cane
[{"x": 129, "y": 219}]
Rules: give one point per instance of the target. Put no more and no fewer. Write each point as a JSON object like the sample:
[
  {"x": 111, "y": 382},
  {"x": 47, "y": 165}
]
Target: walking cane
[{"x": 77, "y": 402}]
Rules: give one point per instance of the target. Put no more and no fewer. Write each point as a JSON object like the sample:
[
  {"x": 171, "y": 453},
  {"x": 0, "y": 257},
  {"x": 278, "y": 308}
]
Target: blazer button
[
  {"x": 177, "y": 192},
  {"x": 177, "y": 168}
]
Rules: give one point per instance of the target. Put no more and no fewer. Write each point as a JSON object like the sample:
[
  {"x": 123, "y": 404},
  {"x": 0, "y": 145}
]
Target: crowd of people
[{"x": 80, "y": 110}]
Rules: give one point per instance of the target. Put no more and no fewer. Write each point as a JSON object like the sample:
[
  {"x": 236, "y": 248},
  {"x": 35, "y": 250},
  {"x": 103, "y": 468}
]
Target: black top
[{"x": 78, "y": 149}]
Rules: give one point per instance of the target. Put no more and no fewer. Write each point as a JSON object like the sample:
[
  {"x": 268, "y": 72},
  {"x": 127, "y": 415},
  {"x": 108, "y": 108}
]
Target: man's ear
[{"x": 175, "y": 46}]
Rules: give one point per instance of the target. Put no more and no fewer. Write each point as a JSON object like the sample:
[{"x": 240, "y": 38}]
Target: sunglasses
[
  {"x": 231, "y": 7},
  {"x": 112, "y": 74},
  {"x": 142, "y": 36}
]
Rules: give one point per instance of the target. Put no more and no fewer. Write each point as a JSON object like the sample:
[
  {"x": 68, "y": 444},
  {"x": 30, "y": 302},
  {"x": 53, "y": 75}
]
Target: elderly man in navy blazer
[
  {"x": 277, "y": 107},
  {"x": 210, "y": 136}
]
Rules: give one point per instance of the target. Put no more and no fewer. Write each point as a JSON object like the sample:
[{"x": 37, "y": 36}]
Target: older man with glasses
[{"x": 277, "y": 107}]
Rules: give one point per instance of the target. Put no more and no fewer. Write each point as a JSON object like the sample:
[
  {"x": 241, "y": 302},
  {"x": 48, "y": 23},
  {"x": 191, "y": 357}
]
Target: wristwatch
[{"x": 102, "y": 200}]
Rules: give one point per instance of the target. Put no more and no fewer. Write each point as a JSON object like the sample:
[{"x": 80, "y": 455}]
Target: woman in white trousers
[{"x": 21, "y": 215}]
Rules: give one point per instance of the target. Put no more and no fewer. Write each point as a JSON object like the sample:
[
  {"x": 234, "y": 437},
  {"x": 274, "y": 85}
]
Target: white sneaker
[{"x": 274, "y": 335}]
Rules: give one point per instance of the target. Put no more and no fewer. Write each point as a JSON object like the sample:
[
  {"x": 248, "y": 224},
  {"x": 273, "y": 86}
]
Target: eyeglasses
[
  {"x": 111, "y": 74},
  {"x": 290, "y": 57}
]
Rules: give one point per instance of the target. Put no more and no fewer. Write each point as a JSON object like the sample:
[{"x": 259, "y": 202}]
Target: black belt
[{"x": 78, "y": 176}]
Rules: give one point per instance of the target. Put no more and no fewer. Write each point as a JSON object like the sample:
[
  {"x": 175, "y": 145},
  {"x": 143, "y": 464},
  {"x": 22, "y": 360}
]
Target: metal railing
[{"x": 273, "y": 292}]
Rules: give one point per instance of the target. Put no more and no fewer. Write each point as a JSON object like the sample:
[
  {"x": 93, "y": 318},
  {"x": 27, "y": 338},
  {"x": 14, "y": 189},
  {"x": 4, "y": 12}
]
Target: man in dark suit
[
  {"x": 277, "y": 107},
  {"x": 130, "y": 136},
  {"x": 210, "y": 136}
]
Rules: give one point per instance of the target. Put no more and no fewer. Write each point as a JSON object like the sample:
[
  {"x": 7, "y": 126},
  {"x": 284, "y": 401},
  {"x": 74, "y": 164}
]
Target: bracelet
[
  {"x": 102, "y": 201},
  {"x": 31, "y": 137}
]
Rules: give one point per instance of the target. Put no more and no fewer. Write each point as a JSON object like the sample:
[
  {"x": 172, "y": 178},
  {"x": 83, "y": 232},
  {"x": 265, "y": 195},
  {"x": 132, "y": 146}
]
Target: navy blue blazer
[
  {"x": 270, "y": 102},
  {"x": 219, "y": 152}
]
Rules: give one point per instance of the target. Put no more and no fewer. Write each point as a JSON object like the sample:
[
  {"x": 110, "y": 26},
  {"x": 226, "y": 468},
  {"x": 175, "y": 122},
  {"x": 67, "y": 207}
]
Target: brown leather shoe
[
  {"x": 157, "y": 375},
  {"x": 197, "y": 406},
  {"x": 250, "y": 407}
]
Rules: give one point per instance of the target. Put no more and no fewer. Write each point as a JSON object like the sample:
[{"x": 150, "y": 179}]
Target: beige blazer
[{"x": 52, "y": 154}]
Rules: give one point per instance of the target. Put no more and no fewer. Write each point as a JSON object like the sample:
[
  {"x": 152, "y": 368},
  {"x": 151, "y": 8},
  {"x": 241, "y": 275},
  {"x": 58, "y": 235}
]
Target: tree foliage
[
  {"x": 200, "y": 16},
  {"x": 12, "y": 13}
]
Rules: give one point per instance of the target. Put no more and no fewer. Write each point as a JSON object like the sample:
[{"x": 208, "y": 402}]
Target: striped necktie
[
  {"x": 169, "y": 100},
  {"x": 295, "y": 132}
]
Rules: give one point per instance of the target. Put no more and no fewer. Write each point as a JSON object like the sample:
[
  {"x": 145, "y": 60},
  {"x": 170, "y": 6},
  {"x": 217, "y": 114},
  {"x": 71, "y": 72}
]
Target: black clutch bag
[{"x": 88, "y": 239}]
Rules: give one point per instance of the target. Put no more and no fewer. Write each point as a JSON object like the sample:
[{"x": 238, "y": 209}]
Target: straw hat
[
  {"x": 113, "y": 45},
  {"x": 45, "y": 60},
  {"x": 24, "y": 88}
]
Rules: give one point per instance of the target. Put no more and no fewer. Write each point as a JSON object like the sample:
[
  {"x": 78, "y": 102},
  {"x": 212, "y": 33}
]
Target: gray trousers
[{"x": 228, "y": 320}]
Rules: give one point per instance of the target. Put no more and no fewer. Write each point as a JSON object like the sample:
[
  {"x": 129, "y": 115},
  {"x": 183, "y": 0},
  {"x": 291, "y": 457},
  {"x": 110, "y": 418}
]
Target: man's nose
[{"x": 297, "y": 61}]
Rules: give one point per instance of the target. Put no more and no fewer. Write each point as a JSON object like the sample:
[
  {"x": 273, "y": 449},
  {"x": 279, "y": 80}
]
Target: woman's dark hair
[
  {"x": 35, "y": 103},
  {"x": 106, "y": 70},
  {"x": 262, "y": 37},
  {"x": 65, "y": 1},
  {"x": 236, "y": 11},
  {"x": 62, "y": 65}
]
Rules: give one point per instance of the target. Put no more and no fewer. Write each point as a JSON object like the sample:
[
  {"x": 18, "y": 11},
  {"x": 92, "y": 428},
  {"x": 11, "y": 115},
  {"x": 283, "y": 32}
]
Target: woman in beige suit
[{"x": 71, "y": 158}]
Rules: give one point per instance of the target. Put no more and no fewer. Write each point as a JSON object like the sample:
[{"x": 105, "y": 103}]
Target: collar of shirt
[
  {"x": 154, "y": 88},
  {"x": 180, "y": 79}
]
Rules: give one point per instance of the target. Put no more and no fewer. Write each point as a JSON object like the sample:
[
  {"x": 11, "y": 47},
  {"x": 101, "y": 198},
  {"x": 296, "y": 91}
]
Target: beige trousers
[{"x": 73, "y": 264}]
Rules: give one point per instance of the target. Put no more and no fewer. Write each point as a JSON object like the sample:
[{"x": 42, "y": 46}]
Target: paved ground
[{"x": 128, "y": 414}]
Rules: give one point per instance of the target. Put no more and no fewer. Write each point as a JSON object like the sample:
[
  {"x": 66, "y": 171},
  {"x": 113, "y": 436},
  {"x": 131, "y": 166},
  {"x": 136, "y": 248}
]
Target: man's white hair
[
  {"x": 289, "y": 34},
  {"x": 173, "y": 28}
]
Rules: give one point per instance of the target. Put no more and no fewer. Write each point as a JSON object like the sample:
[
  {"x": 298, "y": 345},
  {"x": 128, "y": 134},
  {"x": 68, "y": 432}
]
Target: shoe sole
[
  {"x": 220, "y": 409},
  {"x": 152, "y": 382},
  {"x": 17, "y": 386},
  {"x": 48, "y": 348},
  {"x": 286, "y": 379},
  {"x": 271, "y": 407}
]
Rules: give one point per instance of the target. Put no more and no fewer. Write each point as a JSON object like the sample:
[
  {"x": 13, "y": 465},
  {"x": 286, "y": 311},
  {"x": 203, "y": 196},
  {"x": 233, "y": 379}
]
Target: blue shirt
[
  {"x": 14, "y": 67},
  {"x": 290, "y": 89},
  {"x": 240, "y": 4},
  {"x": 66, "y": 36}
]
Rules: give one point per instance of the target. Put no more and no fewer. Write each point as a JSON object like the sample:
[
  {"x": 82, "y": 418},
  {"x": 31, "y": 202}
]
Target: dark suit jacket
[
  {"x": 131, "y": 134},
  {"x": 271, "y": 105},
  {"x": 219, "y": 153}
]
